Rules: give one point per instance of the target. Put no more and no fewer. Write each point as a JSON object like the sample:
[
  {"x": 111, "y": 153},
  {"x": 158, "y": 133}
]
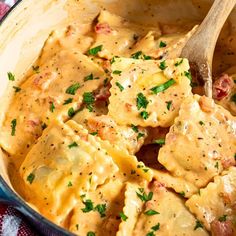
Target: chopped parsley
[
  {"x": 134, "y": 128},
  {"x": 151, "y": 212},
  {"x": 188, "y": 75},
  {"x": 168, "y": 105},
  {"x": 119, "y": 86},
  {"x": 13, "y": 127},
  {"x": 201, "y": 122},
  {"x": 162, "y": 44},
  {"x": 73, "y": 88},
  {"x": 71, "y": 112},
  {"x": 114, "y": 59},
  {"x": 140, "y": 135},
  {"x": 162, "y": 65},
  {"x": 182, "y": 194},
  {"x": 233, "y": 98},
  {"x": 222, "y": 218},
  {"x": 94, "y": 133},
  {"x": 198, "y": 225},
  {"x": 44, "y": 126},
  {"x": 69, "y": 184},
  {"x": 117, "y": 72},
  {"x": 68, "y": 101},
  {"x": 156, "y": 227},
  {"x": 145, "y": 169},
  {"x": 88, "y": 206},
  {"x": 123, "y": 216},
  {"x": 160, "y": 141},
  {"x": 235, "y": 156},
  {"x": 17, "y": 89},
  {"x": 35, "y": 69},
  {"x": 144, "y": 115},
  {"x": 89, "y": 77},
  {"x": 217, "y": 165},
  {"x": 101, "y": 209},
  {"x": 105, "y": 82},
  {"x": 95, "y": 51},
  {"x": 150, "y": 234},
  {"x": 30, "y": 178},
  {"x": 143, "y": 196},
  {"x": 74, "y": 144},
  {"x": 52, "y": 107},
  {"x": 179, "y": 62},
  {"x": 163, "y": 87},
  {"x": 137, "y": 55},
  {"x": 11, "y": 77},
  {"x": 88, "y": 98},
  {"x": 141, "y": 101},
  {"x": 90, "y": 233}
]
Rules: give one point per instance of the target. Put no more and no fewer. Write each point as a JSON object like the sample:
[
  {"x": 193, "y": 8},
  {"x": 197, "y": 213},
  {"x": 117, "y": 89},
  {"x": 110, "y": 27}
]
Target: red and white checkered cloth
[{"x": 12, "y": 223}]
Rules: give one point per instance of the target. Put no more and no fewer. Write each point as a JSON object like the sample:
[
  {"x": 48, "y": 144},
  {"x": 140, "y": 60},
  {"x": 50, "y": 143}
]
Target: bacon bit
[
  {"x": 103, "y": 93},
  {"x": 106, "y": 65},
  {"x": 128, "y": 107},
  {"x": 84, "y": 137},
  {"x": 224, "y": 228},
  {"x": 32, "y": 124},
  {"x": 222, "y": 87},
  {"x": 156, "y": 186},
  {"x": 206, "y": 104},
  {"x": 103, "y": 28},
  {"x": 226, "y": 163}
]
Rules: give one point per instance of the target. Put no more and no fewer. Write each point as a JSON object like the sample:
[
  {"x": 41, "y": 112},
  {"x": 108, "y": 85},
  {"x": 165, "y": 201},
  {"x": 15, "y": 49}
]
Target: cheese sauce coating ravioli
[{"x": 148, "y": 93}]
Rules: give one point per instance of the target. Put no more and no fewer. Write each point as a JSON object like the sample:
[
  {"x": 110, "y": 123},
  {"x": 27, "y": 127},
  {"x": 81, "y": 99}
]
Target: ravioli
[
  {"x": 165, "y": 214},
  {"x": 116, "y": 35},
  {"x": 130, "y": 138},
  {"x": 195, "y": 147},
  {"x": 62, "y": 166},
  {"x": 103, "y": 218},
  {"x": 215, "y": 204},
  {"x": 147, "y": 92},
  {"x": 59, "y": 81}
]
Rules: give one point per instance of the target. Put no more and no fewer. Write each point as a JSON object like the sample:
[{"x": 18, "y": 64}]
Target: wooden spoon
[{"x": 200, "y": 48}]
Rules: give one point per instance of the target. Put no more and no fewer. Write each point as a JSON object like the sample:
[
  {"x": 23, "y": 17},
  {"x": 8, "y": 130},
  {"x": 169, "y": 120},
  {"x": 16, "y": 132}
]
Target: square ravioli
[
  {"x": 201, "y": 143},
  {"x": 148, "y": 92},
  {"x": 215, "y": 204},
  {"x": 115, "y": 35}
]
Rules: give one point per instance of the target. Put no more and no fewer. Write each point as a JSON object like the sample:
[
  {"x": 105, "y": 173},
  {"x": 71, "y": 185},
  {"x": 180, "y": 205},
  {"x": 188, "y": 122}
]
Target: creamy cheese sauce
[{"x": 105, "y": 136}]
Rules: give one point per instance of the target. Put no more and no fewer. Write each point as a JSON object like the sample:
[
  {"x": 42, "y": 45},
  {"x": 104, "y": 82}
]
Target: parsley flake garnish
[
  {"x": 188, "y": 75},
  {"x": 182, "y": 194},
  {"x": 156, "y": 227},
  {"x": 35, "y": 69},
  {"x": 88, "y": 206},
  {"x": 140, "y": 135},
  {"x": 52, "y": 107},
  {"x": 88, "y": 98},
  {"x": 88, "y": 77},
  {"x": 151, "y": 212},
  {"x": 11, "y": 77},
  {"x": 95, "y": 51},
  {"x": 179, "y": 62},
  {"x": 17, "y": 89},
  {"x": 69, "y": 184},
  {"x": 144, "y": 115},
  {"x": 123, "y": 216},
  {"x": 198, "y": 225},
  {"x": 101, "y": 209},
  {"x": 13, "y": 127},
  {"x": 90, "y": 233},
  {"x": 163, "y": 87},
  {"x": 223, "y": 218},
  {"x": 74, "y": 144},
  {"x": 137, "y": 55},
  {"x": 162, "y": 44},
  {"x": 160, "y": 141},
  {"x": 68, "y": 101},
  {"x": 141, "y": 101},
  {"x": 134, "y": 128},
  {"x": 162, "y": 65},
  {"x": 143, "y": 196},
  {"x": 30, "y": 178},
  {"x": 71, "y": 112},
  {"x": 117, "y": 72},
  {"x": 168, "y": 105},
  {"x": 119, "y": 86},
  {"x": 201, "y": 122},
  {"x": 94, "y": 133},
  {"x": 73, "y": 88}
]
